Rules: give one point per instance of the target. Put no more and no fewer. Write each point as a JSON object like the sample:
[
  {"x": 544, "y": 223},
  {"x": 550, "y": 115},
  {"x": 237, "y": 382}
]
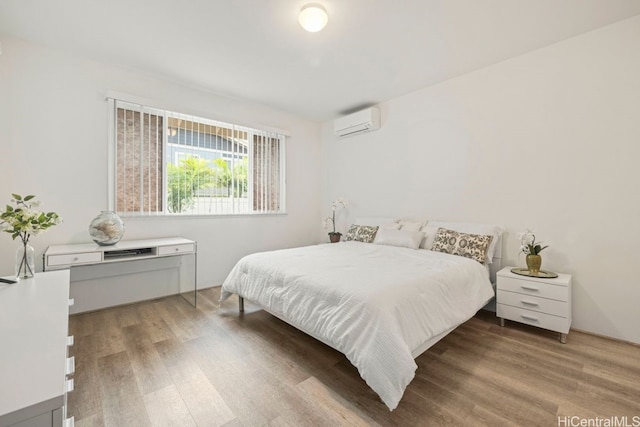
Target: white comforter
[{"x": 374, "y": 303}]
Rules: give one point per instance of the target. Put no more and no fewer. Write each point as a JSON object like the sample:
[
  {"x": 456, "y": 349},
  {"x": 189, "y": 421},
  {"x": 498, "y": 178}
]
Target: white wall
[
  {"x": 549, "y": 140},
  {"x": 53, "y": 138}
]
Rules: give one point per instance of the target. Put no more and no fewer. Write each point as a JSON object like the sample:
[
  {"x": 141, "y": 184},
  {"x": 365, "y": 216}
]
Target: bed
[{"x": 378, "y": 302}]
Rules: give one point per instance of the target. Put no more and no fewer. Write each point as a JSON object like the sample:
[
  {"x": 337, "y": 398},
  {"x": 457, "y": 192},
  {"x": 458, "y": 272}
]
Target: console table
[
  {"x": 129, "y": 271},
  {"x": 34, "y": 367}
]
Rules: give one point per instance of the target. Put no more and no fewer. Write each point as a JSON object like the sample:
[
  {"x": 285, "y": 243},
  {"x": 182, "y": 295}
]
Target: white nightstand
[{"x": 545, "y": 303}]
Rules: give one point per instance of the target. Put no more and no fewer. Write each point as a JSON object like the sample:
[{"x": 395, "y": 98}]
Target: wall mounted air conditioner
[{"x": 362, "y": 121}]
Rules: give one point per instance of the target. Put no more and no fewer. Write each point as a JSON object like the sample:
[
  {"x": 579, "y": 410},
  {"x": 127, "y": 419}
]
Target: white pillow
[
  {"x": 401, "y": 238},
  {"x": 390, "y": 226},
  {"x": 495, "y": 248},
  {"x": 429, "y": 236},
  {"x": 380, "y": 221},
  {"x": 411, "y": 224}
]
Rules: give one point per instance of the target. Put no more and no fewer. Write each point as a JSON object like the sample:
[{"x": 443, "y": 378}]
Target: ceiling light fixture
[{"x": 313, "y": 17}]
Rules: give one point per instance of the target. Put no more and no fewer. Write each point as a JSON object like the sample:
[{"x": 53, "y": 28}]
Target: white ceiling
[{"x": 371, "y": 50}]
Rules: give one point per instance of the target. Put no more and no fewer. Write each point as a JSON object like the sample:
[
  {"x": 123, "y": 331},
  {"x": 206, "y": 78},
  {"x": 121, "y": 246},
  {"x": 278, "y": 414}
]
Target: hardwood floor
[{"x": 164, "y": 363}]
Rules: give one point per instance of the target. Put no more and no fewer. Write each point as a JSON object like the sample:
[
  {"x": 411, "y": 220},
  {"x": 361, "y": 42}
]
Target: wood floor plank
[
  {"x": 234, "y": 383},
  {"x": 164, "y": 362},
  {"x": 122, "y": 402},
  {"x": 181, "y": 326},
  {"x": 107, "y": 333},
  {"x": 484, "y": 417},
  {"x": 473, "y": 381},
  {"x": 155, "y": 326},
  {"x": 335, "y": 410},
  {"x": 205, "y": 404},
  {"x": 148, "y": 368},
  {"x": 92, "y": 421},
  {"x": 167, "y": 409},
  {"x": 88, "y": 402}
]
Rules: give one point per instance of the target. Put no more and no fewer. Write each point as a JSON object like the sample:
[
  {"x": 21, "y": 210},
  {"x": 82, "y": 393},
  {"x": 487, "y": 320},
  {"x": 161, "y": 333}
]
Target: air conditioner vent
[{"x": 359, "y": 122}]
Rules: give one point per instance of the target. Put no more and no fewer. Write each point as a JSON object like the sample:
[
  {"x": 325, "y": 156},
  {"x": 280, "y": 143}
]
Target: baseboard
[{"x": 593, "y": 334}]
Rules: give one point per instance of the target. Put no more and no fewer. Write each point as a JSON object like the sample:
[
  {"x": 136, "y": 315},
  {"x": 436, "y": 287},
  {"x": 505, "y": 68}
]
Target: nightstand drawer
[
  {"x": 534, "y": 318},
  {"x": 534, "y": 288},
  {"x": 534, "y": 303},
  {"x": 175, "y": 249},
  {"x": 73, "y": 259}
]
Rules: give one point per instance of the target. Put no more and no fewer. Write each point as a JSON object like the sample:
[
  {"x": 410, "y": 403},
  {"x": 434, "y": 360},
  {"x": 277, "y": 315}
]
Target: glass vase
[
  {"x": 107, "y": 228},
  {"x": 25, "y": 261}
]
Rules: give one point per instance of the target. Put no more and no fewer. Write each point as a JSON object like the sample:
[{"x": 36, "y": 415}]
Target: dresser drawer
[
  {"x": 73, "y": 259},
  {"x": 534, "y": 318},
  {"x": 175, "y": 249},
  {"x": 534, "y": 303},
  {"x": 533, "y": 288}
]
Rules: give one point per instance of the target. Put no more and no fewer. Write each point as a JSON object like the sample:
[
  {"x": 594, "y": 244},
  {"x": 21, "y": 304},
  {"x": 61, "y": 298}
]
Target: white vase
[
  {"x": 25, "y": 261},
  {"x": 107, "y": 228}
]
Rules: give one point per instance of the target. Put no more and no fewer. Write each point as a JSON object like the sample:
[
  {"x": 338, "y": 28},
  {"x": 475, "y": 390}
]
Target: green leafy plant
[
  {"x": 528, "y": 244},
  {"x": 232, "y": 179},
  {"x": 24, "y": 220},
  {"x": 185, "y": 180}
]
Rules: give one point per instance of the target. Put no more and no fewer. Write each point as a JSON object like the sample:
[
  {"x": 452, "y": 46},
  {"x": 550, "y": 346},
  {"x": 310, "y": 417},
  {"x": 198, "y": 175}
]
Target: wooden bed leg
[{"x": 240, "y": 304}]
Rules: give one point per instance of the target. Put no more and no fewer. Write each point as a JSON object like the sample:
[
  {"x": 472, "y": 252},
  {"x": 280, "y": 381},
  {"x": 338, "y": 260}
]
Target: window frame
[{"x": 145, "y": 108}]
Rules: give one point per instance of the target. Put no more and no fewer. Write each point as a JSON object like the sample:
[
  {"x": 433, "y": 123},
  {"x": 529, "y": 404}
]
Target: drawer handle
[
  {"x": 531, "y": 318},
  {"x": 177, "y": 249},
  {"x": 71, "y": 365},
  {"x": 69, "y": 385},
  {"x": 71, "y": 302},
  {"x": 70, "y": 341},
  {"x": 535, "y": 304},
  {"x": 75, "y": 258},
  {"x": 529, "y": 288},
  {"x": 69, "y": 422}
]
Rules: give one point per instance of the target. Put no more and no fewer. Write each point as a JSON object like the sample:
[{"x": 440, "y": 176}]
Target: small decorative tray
[{"x": 541, "y": 274}]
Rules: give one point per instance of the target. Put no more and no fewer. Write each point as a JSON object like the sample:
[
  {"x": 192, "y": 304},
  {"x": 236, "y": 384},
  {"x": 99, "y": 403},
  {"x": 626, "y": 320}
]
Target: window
[{"x": 167, "y": 163}]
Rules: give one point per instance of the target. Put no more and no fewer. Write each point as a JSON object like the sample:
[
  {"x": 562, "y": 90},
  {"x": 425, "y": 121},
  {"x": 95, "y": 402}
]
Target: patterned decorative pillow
[
  {"x": 351, "y": 232},
  {"x": 472, "y": 246},
  {"x": 362, "y": 233}
]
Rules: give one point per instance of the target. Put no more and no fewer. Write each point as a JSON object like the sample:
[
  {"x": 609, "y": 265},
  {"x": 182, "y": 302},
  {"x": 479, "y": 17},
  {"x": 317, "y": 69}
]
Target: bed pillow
[
  {"x": 429, "y": 236},
  {"x": 474, "y": 246},
  {"x": 390, "y": 226},
  {"x": 401, "y": 238},
  {"x": 361, "y": 233},
  {"x": 495, "y": 248},
  {"x": 411, "y": 225},
  {"x": 380, "y": 221}
]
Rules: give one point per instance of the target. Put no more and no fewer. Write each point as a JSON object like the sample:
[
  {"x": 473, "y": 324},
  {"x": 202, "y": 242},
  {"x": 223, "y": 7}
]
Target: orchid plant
[
  {"x": 332, "y": 219},
  {"x": 528, "y": 244}
]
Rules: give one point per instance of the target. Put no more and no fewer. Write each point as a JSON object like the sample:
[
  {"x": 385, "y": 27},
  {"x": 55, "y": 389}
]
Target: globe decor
[
  {"x": 24, "y": 220},
  {"x": 107, "y": 228}
]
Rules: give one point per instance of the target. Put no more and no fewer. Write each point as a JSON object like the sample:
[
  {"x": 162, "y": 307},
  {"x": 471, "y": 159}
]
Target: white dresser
[
  {"x": 34, "y": 365},
  {"x": 545, "y": 303}
]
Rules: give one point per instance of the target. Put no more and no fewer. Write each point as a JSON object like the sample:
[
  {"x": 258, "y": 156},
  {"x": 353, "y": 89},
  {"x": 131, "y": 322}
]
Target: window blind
[{"x": 169, "y": 163}]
